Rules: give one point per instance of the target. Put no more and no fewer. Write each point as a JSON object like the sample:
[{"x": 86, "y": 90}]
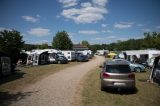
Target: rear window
[{"x": 118, "y": 69}]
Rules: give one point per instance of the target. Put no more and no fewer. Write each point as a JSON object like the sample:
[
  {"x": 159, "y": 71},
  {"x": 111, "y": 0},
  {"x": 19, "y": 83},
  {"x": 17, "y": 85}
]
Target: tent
[
  {"x": 153, "y": 71},
  {"x": 5, "y": 64},
  {"x": 112, "y": 54}
]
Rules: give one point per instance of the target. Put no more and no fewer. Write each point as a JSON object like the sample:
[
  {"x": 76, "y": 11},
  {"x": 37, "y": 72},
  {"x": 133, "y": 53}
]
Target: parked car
[
  {"x": 81, "y": 58},
  {"x": 117, "y": 74},
  {"x": 156, "y": 75},
  {"x": 62, "y": 60},
  {"x": 134, "y": 66},
  {"x": 150, "y": 61},
  {"x": 57, "y": 58}
]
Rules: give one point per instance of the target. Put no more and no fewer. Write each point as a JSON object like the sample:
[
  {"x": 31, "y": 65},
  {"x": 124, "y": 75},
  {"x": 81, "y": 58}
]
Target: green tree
[
  {"x": 43, "y": 46},
  {"x": 62, "y": 41},
  {"x": 11, "y": 43},
  {"x": 85, "y": 43}
]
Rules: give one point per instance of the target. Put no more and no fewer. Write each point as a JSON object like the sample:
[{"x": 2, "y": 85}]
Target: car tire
[
  {"x": 59, "y": 62},
  {"x": 137, "y": 69},
  {"x": 102, "y": 87}
]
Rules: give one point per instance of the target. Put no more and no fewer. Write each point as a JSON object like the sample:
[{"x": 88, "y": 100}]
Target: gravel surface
[{"x": 57, "y": 89}]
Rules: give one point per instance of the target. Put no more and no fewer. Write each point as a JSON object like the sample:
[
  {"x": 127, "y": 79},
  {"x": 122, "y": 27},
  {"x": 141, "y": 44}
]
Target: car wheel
[
  {"x": 59, "y": 62},
  {"x": 137, "y": 69},
  {"x": 102, "y": 87},
  {"x": 1, "y": 75}
]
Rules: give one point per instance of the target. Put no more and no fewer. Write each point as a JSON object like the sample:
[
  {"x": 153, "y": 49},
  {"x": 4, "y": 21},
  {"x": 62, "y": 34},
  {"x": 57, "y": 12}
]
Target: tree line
[
  {"x": 151, "y": 40},
  {"x": 11, "y": 43}
]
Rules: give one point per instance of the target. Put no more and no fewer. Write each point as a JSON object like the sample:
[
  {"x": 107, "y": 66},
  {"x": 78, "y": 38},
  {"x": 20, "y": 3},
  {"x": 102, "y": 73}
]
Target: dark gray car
[
  {"x": 117, "y": 74},
  {"x": 156, "y": 75}
]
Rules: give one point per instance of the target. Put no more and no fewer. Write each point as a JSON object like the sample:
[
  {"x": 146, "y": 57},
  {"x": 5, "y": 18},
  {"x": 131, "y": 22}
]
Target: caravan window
[
  {"x": 29, "y": 57},
  {"x": 158, "y": 67},
  {"x": 36, "y": 58},
  {"x": 5, "y": 60},
  {"x": 43, "y": 57}
]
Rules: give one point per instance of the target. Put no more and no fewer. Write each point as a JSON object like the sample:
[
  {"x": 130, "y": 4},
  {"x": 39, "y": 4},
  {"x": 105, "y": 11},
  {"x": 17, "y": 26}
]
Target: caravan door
[
  {"x": 6, "y": 65},
  {"x": 36, "y": 59}
]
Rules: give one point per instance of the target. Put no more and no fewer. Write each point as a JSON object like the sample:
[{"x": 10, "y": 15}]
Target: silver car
[
  {"x": 117, "y": 74},
  {"x": 134, "y": 66},
  {"x": 156, "y": 75}
]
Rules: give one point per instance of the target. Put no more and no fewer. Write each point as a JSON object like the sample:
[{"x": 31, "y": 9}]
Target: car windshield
[
  {"x": 118, "y": 69},
  {"x": 122, "y": 60},
  {"x": 158, "y": 67}
]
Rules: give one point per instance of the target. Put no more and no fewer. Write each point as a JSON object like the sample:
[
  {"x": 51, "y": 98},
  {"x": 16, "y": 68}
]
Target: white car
[{"x": 134, "y": 66}]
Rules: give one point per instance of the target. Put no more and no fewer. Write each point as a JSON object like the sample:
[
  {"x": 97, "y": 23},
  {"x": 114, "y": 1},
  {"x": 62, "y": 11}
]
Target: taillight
[
  {"x": 105, "y": 75},
  {"x": 131, "y": 76}
]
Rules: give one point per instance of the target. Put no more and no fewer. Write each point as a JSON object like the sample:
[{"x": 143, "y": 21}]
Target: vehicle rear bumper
[{"x": 125, "y": 84}]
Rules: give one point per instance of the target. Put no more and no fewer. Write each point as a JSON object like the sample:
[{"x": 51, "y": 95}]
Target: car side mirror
[{"x": 100, "y": 66}]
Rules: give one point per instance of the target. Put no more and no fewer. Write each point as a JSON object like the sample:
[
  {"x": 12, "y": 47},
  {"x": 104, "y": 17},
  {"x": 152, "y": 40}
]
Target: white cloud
[
  {"x": 123, "y": 25},
  {"x": 23, "y": 34},
  {"x": 111, "y": 37},
  {"x": 87, "y": 13},
  {"x": 38, "y": 16},
  {"x": 88, "y": 32},
  {"x": 30, "y": 18},
  {"x": 139, "y": 25},
  {"x": 86, "y": 4},
  {"x": 105, "y": 38},
  {"x": 39, "y": 32},
  {"x": 98, "y": 38},
  {"x": 40, "y": 42},
  {"x": 146, "y": 30},
  {"x": 2, "y": 29},
  {"x": 100, "y": 2},
  {"x": 158, "y": 27},
  {"x": 71, "y": 34},
  {"x": 108, "y": 39},
  {"x": 108, "y": 31},
  {"x": 68, "y": 3},
  {"x": 58, "y": 16},
  {"x": 103, "y": 25}
]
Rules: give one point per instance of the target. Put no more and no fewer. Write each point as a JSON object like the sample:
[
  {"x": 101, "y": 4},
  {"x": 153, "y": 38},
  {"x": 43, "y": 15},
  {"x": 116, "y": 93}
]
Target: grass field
[
  {"x": 146, "y": 94},
  {"x": 29, "y": 75}
]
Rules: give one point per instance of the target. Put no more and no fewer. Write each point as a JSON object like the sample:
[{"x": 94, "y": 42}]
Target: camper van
[
  {"x": 102, "y": 52},
  {"x": 87, "y": 53},
  {"x": 37, "y": 57},
  {"x": 70, "y": 55}
]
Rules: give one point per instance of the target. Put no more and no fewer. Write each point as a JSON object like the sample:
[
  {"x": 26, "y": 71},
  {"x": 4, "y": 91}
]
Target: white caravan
[
  {"x": 69, "y": 54},
  {"x": 102, "y": 52},
  {"x": 86, "y": 53},
  {"x": 143, "y": 55}
]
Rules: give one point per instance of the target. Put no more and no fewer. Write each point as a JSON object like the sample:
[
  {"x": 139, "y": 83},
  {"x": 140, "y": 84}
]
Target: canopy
[{"x": 112, "y": 54}]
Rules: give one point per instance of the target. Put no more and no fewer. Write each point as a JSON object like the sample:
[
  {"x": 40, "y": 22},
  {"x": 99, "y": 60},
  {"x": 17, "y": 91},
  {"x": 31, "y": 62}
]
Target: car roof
[{"x": 109, "y": 62}]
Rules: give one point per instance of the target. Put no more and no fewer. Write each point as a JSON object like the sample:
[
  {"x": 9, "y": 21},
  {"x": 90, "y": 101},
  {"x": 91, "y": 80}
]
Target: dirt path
[{"x": 57, "y": 89}]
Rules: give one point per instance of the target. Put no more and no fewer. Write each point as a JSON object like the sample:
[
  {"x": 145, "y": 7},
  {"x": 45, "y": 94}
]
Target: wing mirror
[{"x": 100, "y": 66}]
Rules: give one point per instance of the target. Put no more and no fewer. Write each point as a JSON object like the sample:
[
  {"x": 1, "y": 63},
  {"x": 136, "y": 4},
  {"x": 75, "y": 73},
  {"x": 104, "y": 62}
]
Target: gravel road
[{"x": 57, "y": 89}]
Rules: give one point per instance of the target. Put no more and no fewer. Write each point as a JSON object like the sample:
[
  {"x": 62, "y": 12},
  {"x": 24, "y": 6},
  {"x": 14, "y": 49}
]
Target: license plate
[{"x": 119, "y": 84}]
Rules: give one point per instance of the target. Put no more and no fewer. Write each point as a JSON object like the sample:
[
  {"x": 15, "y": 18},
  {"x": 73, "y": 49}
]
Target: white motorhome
[
  {"x": 86, "y": 52},
  {"x": 102, "y": 52},
  {"x": 143, "y": 55},
  {"x": 69, "y": 54}
]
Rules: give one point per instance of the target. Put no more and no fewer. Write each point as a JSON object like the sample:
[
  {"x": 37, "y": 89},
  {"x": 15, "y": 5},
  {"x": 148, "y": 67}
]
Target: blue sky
[{"x": 97, "y": 21}]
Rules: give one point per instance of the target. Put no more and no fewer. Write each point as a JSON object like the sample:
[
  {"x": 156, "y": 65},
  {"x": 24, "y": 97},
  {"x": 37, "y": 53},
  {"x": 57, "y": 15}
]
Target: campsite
[{"x": 79, "y": 52}]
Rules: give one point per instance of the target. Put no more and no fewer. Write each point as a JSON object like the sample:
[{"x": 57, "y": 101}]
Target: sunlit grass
[{"x": 146, "y": 95}]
